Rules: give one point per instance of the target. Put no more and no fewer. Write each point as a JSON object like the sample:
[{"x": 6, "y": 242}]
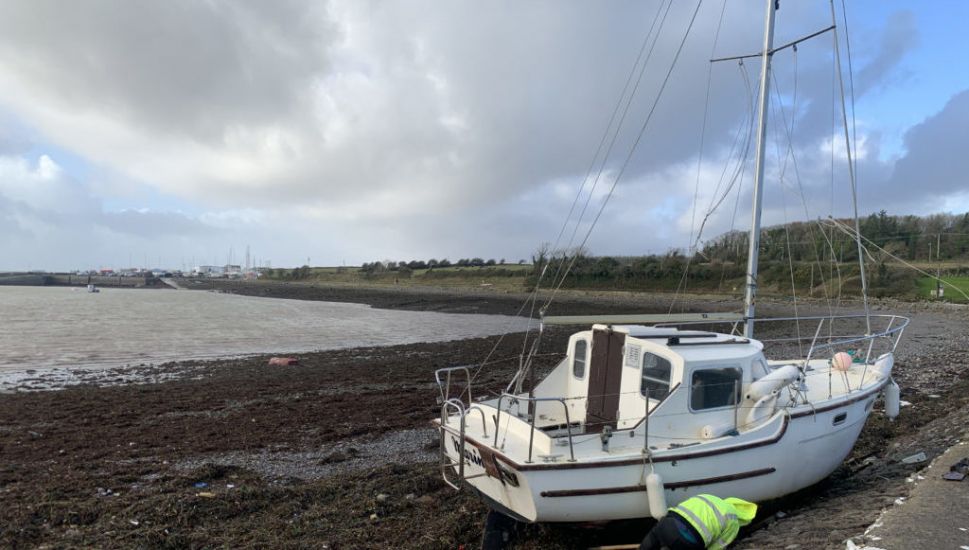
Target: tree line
[
  {"x": 939, "y": 237},
  {"x": 814, "y": 257}
]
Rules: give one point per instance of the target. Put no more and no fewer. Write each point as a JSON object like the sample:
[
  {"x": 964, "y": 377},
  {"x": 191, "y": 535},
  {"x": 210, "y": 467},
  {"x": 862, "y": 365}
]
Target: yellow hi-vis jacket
[{"x": 717, "y": 520}]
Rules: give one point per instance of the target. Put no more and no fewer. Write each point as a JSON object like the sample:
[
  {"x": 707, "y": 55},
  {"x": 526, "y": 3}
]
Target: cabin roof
[{"x": 693, "y": 345}]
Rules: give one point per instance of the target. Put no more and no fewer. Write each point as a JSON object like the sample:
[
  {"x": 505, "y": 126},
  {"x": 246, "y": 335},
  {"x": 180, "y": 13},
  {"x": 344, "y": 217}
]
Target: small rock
[
  {"x": 382, "y": 497},
  {"x": 409, "y": 496},
  {"x": 374, "y": 517}
]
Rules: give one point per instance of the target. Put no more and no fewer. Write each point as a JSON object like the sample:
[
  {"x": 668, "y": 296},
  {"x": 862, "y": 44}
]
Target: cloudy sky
[{"x": 169, "y": 133}]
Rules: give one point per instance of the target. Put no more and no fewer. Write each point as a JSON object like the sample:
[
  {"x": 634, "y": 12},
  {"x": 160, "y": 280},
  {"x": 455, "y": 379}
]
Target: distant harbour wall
[{"x": 70, "y": 279}]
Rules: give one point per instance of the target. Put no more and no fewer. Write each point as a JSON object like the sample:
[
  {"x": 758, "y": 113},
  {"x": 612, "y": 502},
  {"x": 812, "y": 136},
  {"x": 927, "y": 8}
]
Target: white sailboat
[{"x": 645, "y": 412}]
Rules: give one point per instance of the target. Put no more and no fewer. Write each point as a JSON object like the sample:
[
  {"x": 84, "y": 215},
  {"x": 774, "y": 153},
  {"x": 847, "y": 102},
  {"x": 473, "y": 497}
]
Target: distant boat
[{"x": 92, "y": 288}]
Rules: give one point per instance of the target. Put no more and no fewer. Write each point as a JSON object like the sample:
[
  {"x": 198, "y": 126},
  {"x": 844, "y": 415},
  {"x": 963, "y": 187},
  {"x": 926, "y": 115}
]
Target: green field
[
  {"x": 507, "y": 277},
  {"x": 927, "y": 286}
]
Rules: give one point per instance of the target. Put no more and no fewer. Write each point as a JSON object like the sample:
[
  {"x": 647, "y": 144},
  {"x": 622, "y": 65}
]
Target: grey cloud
[
  {"x": 899, "y": 36},
  {"x": 154, "y": 224},
  {"x": 194, "y": 69},
  {"x": 936, "y": 160}
]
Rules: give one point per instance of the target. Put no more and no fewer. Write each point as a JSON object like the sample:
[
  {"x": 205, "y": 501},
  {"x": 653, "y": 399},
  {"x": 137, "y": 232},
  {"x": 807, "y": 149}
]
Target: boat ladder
[{"x": 455, "y": 408}]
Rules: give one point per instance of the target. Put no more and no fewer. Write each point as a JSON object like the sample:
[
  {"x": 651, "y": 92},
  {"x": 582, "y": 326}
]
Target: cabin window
[
  {"x": 714, "y": 388},
  {"x": 656, "y": 376},
  {"x": 578, "y": 359}
]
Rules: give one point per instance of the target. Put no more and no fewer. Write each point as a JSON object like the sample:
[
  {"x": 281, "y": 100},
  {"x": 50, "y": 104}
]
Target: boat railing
[
  {"x": 444, "y": 376},
  {"x": 892, "y": 333},
  {"x": 894, "y": 326},
  {"x": 531, "y": 420}
]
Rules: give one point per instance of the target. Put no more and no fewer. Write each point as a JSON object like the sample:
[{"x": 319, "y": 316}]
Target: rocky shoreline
[{"x": 337, "y": 452}]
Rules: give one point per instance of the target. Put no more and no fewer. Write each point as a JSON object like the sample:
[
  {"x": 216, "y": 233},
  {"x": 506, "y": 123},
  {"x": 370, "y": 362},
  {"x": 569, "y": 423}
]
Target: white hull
[{"x": 794, "y": 449}]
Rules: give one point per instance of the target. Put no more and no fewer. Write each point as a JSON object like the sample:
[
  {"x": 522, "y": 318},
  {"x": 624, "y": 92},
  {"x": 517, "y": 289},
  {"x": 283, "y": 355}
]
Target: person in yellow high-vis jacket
[{"x": 699, "y": 523}]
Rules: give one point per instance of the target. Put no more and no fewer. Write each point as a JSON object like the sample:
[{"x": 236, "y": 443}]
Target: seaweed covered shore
[{"x": 337, "y": 451}]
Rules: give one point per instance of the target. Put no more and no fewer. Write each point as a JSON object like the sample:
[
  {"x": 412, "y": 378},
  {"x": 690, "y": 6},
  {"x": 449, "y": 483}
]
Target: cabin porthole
[{"x": 839, "y": 419}]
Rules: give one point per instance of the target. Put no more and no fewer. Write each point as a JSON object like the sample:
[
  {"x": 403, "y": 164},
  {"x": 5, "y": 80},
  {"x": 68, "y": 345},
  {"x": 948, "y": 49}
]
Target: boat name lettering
[{"x": 491, "y": 465}]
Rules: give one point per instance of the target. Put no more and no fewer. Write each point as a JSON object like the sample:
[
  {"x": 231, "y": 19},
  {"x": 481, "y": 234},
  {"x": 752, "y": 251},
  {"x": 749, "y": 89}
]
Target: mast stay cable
[
  {"x": 533, "y": 295},
  {"x": 851, "y": 172},
  {"x": 632, "y": 149}
]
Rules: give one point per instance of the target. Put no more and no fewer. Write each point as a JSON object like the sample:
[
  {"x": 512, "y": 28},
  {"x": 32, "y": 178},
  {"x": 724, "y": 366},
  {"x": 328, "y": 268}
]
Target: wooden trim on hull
[
  {"x": 672, "y": 485},
  {"x": 719, "y": 479}
]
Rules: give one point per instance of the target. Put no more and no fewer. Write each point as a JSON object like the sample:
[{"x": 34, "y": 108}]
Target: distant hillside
[
  {"x": 943, "y": 236},
  {"x": 814, "y": 258}
]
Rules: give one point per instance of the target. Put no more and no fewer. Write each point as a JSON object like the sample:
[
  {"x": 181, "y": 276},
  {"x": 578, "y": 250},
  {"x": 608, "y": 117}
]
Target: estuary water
[{"x": 58, "y": 327}]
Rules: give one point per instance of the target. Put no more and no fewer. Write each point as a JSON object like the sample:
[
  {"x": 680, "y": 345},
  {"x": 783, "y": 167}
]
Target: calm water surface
[{"x": 62, "y": 327}]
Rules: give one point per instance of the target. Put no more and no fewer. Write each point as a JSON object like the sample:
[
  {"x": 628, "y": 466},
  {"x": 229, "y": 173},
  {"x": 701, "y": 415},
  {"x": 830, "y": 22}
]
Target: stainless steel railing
[{"x": 531, "y": 421}]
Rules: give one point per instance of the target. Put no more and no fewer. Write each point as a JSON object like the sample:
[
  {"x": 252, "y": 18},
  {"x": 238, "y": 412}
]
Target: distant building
[{"x": 209, "y": 271}]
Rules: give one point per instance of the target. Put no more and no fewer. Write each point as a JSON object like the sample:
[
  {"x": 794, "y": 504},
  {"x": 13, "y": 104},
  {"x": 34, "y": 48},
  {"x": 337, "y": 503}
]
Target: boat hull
[{"x": 805, "y": 447}]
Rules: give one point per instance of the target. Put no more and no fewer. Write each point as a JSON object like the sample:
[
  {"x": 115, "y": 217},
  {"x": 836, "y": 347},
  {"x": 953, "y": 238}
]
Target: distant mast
[{"x": 765, "y": 57}]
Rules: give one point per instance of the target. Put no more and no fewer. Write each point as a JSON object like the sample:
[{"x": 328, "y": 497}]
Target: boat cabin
[{"x": 613, "y": 374}]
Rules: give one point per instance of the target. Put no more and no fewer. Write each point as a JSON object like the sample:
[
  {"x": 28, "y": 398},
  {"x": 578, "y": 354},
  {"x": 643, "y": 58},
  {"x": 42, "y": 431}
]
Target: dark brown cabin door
[{"x": 605, "y": 373}]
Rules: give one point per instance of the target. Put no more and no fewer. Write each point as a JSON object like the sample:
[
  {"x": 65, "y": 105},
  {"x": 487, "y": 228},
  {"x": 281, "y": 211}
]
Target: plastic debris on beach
[
  {"x": 283, "y": 361},
  {"x": 850, "y": 545},
  {"x": 915, "y": 459}
]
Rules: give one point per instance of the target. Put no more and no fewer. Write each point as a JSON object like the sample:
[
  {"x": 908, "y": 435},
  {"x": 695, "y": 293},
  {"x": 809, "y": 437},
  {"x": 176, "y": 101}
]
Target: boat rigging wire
[
  {"x": 787, "y": 155},
  {"x": 800, "y": 188},
  {"x": 834, "y": 260},
  {"x": 703, "y": 126},
  {"x": 632, "y": 149},
  {"x": 851, "y": 169},
  {"x": 691, "y": 248},
  {"x": 533, "y": 296},
  {"x": 602, "y": 162},
  {"x": 851, "y": 77},
  {"x": 612, "y": 118},
  {"x": 859, "y": 237},
  {"x": 743, "y": 153}
]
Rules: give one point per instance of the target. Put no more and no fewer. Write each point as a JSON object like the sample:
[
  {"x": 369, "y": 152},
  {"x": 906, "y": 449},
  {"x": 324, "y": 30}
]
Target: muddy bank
[
  {"x": 336, "y": 451},
  {"x": 420, "y": 298}
]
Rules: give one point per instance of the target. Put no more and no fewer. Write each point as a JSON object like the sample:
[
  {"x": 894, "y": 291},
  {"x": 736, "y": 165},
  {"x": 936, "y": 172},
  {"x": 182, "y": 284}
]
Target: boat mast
[{"x": 765, "y": 58}]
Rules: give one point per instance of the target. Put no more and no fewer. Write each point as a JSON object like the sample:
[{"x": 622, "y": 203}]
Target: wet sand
[{"x": 337, "y": 452}]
